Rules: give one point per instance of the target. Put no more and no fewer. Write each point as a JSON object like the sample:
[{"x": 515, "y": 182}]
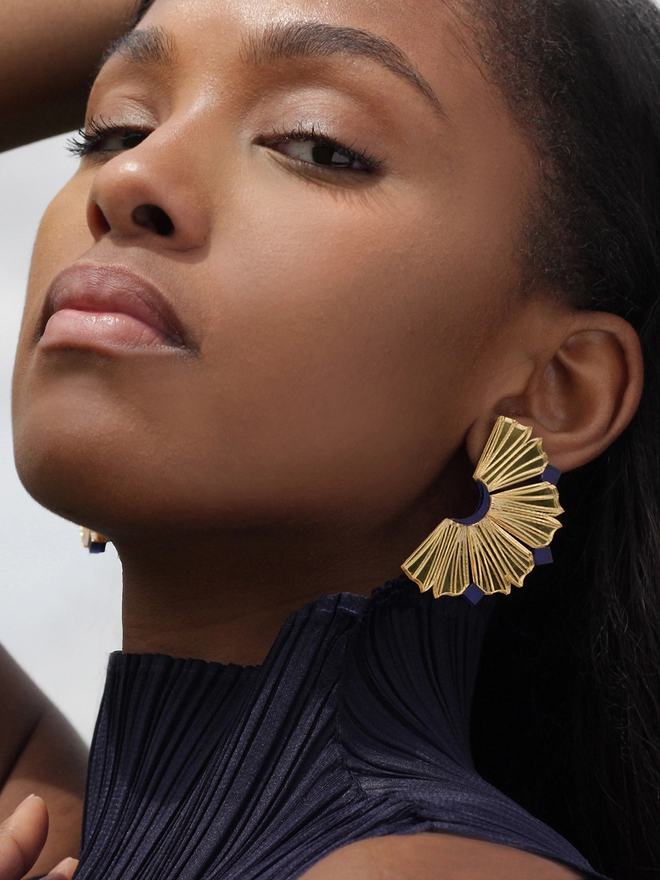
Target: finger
[
  {"x": 22, "y": 837},
  {"x": 63, "y": 871}
]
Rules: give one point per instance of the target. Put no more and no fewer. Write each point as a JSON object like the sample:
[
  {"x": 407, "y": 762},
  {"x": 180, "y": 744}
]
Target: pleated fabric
[{"x": 355, "y": 726}]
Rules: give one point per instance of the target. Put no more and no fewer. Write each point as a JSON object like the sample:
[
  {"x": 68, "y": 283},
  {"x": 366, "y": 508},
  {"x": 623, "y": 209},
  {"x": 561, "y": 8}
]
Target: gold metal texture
[{"x": 495, "y": 553}]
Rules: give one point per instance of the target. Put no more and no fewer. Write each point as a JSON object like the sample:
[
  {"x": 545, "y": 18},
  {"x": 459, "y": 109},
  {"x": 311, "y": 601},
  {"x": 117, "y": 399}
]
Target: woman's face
[{"x": 293, "y": 268}]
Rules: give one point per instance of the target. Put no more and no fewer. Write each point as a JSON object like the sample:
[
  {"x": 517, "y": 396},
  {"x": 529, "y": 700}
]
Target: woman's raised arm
[
  {"x": 39, "y": 752},
  {"x": 50, "y": 50}
]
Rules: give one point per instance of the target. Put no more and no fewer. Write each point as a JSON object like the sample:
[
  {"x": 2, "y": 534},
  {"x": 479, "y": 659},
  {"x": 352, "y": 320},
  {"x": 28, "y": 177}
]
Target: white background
[{"x": 59, "y": 605}]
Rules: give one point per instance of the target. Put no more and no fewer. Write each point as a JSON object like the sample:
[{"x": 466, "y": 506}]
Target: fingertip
[
  {"x": 25, "y": 800},
  {"x": 63, "y": 871},
  {"x": 32, "y": 810},
  {"x": 22, "y": 837}
]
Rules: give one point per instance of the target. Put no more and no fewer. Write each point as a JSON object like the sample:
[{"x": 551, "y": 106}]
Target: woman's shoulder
[{"x": 428, "y": 856}]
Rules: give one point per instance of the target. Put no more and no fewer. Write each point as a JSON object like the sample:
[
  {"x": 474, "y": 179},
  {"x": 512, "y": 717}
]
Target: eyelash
[
  {"x": 84, "y": 143},
  {"x": 87, "y": 140},
  {"x": 303, "y": 133}
]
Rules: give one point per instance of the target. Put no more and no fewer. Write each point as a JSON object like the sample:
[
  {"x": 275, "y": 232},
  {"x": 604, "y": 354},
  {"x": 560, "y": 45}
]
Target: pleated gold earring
[
  {"x": 508, "y": 534},
  {"x": 92, "y": 541}
]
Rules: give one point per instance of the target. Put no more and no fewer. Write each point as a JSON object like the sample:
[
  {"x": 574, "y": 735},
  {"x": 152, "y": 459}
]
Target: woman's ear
[{"x": 582, "y": 394}]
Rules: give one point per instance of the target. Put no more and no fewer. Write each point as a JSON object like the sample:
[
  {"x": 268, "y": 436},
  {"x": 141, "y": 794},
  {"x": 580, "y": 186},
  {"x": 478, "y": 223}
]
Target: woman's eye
[
  {"x": 105, "y": 139},
  {"x": 119, "y": 140},
  {"x": 319, "y": 152},
  {"x": 316, "y": 153}
]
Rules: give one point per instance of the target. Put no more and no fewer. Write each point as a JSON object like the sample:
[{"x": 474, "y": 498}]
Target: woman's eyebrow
[
  {"x": 154, "y": 46},
  {"x": 300, "y": 39}
]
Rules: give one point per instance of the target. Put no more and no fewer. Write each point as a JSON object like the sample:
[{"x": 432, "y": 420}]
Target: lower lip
[{"x": 73, "y": 328}]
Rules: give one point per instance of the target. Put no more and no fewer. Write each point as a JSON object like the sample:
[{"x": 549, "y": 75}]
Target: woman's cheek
[
  {"x": 62, "y": 238},
  {"x": 63, "y": 235}
]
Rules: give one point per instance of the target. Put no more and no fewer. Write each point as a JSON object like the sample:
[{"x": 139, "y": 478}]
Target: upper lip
[{"x": 94, "y": 287}]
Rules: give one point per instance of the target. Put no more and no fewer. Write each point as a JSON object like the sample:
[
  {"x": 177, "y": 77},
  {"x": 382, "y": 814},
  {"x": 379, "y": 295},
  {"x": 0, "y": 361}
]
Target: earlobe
[{"x": 585, "y": 394}]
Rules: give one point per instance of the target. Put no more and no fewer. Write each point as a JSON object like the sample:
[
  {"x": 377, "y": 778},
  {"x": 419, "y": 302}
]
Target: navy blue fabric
[{"x": 355, "y": 726}]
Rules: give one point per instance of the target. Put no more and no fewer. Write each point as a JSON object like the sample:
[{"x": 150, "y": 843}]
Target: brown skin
[
  {"x": 350, "y": 338},
  {"x": 437, "y": 856},
  {"x": 39, "y": 751},
  {"x": 49, "y": 56},
  {"x": 22, "y": 836}
]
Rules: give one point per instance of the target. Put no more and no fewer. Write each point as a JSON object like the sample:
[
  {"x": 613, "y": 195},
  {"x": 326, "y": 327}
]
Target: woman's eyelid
[
  {"x": 90, "y": 138},
  {"x": 338, "y": 158},
  {"x": 122, "y": 109},
  {"x": 304, "y": 133},
  {"x": 130, "y": 96},
  {"x": 103, "y": 124}
]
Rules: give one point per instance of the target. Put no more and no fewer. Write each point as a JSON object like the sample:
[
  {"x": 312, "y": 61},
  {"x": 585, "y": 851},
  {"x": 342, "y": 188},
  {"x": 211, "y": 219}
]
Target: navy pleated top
[{"x": 355, "y": 726}]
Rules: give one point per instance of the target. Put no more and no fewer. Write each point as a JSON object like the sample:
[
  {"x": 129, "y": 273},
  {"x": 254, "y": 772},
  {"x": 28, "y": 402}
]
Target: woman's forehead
[
  {"x": 413, "y": 17},
  {"x": 414, "y": 39},
  {"x": 425, "y": 43}
]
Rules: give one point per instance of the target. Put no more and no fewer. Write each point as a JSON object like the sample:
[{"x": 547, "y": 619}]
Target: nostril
[
  {"x": 97, "y": 220},
  {"x": 154, "y": 218}
]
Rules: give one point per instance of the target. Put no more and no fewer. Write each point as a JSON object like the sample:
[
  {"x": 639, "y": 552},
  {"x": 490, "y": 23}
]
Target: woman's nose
[
  {"x": 142, "y": 195},
  {"x": 153, "y": 218}
]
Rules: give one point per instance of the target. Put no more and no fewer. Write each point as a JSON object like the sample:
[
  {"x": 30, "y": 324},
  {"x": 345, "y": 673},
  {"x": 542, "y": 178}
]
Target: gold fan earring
[{"x": 508, "y": 534}]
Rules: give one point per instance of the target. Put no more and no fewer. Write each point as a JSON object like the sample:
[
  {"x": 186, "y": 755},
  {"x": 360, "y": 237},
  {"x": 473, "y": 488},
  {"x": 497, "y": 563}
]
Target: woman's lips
[
  {"x": 93, "y": 306},
  {"x": 75, "y": 328}
]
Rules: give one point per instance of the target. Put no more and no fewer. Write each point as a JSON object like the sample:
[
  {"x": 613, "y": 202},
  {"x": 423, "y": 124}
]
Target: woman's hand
[
  {"x": 50, "y": 51},
  {"x": 22, "y": 837}
]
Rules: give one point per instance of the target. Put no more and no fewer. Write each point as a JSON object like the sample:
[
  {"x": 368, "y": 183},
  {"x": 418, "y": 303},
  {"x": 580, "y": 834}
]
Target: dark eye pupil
[
  {"x": 132, "y": 139},
  {"x": 325, "y": 154}
]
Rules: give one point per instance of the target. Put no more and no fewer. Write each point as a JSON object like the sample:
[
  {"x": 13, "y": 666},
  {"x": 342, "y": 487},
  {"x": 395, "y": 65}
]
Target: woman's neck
[
  {"x": 223, "y": 596},
  {"x": 225, "y": 600}
]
